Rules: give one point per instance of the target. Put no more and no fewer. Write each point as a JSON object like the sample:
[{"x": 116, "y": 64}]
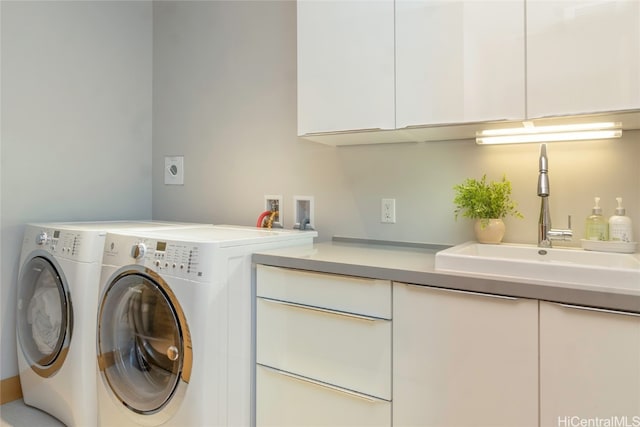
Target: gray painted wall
[
  {"x": 76, "y": 124},
  {"x": 225, "y": 98}
]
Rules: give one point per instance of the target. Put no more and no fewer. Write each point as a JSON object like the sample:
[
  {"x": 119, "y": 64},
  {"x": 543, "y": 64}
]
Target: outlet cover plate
[{"x": 388, "y": 211}]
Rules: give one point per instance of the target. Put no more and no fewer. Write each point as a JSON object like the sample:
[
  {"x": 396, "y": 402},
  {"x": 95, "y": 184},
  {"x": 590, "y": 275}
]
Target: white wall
[
  {"x": 76, "y": 124},
  {"x": 225, "y": 97}
]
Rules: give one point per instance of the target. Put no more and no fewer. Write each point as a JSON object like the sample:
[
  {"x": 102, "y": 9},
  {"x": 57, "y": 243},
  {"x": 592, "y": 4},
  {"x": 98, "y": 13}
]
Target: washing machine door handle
[{"x": 173, "y": 353}]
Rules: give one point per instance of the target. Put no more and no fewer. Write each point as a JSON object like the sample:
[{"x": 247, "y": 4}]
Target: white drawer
[
  {"x": 284, "y": 400},
  {"x": 344, "y": 293},
  {"x": 350, "y": 351}
]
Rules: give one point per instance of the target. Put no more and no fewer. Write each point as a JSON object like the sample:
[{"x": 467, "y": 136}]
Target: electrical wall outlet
[
  {"x": 174, "y": 170},
  {"x": 274, "y": 203},
  {"x": 303, "y": 212},
  {"x": 388, "y": 211}
]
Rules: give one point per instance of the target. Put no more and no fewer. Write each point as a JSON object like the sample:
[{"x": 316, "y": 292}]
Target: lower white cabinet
[
  {"x": 463, "y": 359},
  {"x": 337, "y": 350},
  {"x": 323, "y": 349},
  {"x": 589, "y": 366}
]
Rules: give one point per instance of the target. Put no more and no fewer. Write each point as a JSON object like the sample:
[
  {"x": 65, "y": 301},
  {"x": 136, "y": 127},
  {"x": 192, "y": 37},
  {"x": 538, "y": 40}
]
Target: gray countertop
[{"x": 416, "y": 265}]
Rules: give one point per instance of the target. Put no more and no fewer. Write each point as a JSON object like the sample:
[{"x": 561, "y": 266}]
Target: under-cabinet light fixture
[{"x": 531, "y": 133}]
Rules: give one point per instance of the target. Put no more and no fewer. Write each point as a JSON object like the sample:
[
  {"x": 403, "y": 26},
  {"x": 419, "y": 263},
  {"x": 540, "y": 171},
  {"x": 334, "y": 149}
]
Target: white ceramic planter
[{"x": 489, "y": 230}]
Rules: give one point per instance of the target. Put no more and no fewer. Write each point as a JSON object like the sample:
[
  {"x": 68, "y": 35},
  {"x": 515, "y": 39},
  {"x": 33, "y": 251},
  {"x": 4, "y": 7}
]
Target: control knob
[
  {"x": 41, "y": 238},
  {"x": 138, "y": 250}
]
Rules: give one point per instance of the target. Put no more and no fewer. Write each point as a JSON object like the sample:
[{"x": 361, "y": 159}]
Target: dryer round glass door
[
  {"x": 44, "y": 319},
  {"x": 143, "y": 350}
]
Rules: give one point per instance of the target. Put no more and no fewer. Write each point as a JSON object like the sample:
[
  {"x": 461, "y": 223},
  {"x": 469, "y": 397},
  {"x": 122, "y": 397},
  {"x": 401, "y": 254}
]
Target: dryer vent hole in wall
[
  {"x": 303, "y": 212},
  {"x": 174, "y": 170}
]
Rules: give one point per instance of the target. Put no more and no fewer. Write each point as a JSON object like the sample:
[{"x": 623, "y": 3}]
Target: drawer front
[
  {"x": 349, "y": 351},
  {"x": 284, "y": 400},
  {"x": 344, "y": 293}
]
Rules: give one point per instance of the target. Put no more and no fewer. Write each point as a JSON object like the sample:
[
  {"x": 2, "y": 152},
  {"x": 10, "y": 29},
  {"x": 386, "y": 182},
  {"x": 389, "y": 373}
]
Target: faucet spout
[
  {"x": 545, "y": 233},
  {"x": 544, "y": 223}
]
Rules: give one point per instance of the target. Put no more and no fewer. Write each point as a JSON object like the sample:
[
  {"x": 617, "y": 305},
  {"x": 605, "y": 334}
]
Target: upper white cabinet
[
  {"x": 426, "y": 70},
  {"x": 589, "y": 365},
  {"x": 345, "y": 65},
  {"x": 459, "y": 61},
  {"x": 582, "y": 56}
]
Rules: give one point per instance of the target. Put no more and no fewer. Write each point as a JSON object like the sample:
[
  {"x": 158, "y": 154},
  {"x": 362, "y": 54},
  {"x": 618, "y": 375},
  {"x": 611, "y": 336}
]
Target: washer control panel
[{"x": 177, "y": 258}]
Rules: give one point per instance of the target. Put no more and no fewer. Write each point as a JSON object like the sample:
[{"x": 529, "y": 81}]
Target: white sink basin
[{"x": 569, "y": 265}]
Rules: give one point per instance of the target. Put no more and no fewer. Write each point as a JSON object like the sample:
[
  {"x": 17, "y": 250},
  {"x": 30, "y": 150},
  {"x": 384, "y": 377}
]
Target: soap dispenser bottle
[
  {"x": 620, "y": 225},
  {"x": 596, "y": 226}
]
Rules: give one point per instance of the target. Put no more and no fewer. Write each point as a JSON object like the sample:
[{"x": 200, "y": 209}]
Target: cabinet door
[
  {"x": 463, "y": 359},
  {"x": 589, "y": 365},
  {"x": 459, "y": 61},
  {"x": 345, "y": 65},
  {"x": 582, "y": 56}
]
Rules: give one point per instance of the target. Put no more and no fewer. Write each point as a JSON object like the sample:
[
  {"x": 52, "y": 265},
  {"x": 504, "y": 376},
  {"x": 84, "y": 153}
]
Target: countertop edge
[{"x": 553, "y": 292}]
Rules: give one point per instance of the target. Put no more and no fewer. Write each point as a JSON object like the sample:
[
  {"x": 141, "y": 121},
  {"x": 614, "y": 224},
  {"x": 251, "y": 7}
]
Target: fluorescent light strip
[
  {"x": 549, "y": 137},
  {"x": 531, "y": 133}
]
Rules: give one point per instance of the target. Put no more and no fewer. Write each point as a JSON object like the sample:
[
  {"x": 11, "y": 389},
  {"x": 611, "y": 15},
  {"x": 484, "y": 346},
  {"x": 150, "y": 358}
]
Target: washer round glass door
[
  {"x": 144, "y": 352},
  {"x": 45, "y": 316}
]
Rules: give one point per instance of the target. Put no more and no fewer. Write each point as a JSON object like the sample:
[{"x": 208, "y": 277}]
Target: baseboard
[{"x": 10, "y": 390}]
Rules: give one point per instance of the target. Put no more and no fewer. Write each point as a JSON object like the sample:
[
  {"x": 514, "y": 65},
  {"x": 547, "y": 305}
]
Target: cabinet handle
[
  {"x": 599, "y": 310},
  {"x": 342, "y": 132},
  {"x": 322, "y": 310},
  {"x": 328, "y": 386},
  {"x": 437, "y": 126},
  {"x": 458, "y": 291}
]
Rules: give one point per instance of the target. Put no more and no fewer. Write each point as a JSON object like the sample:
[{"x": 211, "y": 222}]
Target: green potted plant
[{"x": 488, "y": 203}]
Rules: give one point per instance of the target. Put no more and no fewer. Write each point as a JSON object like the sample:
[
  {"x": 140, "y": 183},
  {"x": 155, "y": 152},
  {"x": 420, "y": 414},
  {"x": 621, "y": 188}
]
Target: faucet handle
[{"x": 561, "y": 234}]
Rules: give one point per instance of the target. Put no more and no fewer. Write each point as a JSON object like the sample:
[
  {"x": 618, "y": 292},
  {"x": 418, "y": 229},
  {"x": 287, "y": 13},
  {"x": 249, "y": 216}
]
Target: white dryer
[
  {"x": 58, "y": 281},
  {"x": 174, "y": 338}
]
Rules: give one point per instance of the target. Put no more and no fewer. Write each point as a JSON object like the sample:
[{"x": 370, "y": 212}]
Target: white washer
[
  {"x": 175, "y": 317},
  {"x": 58, "y": 284}
]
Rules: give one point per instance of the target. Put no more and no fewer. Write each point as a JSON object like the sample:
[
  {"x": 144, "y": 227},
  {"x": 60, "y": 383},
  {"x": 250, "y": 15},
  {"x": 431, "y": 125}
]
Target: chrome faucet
[{"x": 545, "y": 233}]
